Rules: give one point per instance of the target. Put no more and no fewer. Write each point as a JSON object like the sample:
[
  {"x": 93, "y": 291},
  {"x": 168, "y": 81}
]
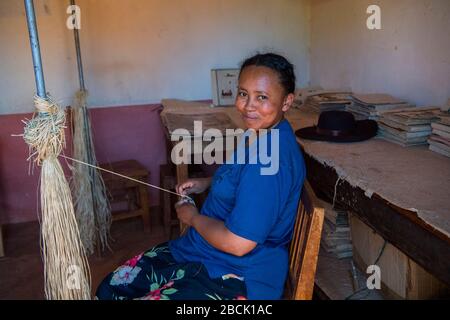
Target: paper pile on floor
[
  {"x": 336, "y": 236},
  {"x": 407, "y": 127},
  {"x": 440, "y": 139},
  {"x": 370, "y": 106}
]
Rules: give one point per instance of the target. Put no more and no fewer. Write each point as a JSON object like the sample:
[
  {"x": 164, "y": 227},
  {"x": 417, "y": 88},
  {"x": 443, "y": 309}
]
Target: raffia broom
[
  {"x": 92, "y": 207},
  {"x": 66, "y": 270}
]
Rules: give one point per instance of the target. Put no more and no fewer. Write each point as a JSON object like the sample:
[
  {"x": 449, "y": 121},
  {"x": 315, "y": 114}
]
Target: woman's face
[{"x": 261, "y": 99}]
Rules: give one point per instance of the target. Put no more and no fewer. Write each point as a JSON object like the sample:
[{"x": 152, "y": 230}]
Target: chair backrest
[{"x": 304, "y": 247}]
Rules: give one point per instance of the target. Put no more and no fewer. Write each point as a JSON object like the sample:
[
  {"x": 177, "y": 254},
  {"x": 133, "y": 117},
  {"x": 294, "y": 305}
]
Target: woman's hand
[
  {"x": 186, "y": 213},
  {"x": 213, "y": 230},
  {"x": 193, "y": 186}
]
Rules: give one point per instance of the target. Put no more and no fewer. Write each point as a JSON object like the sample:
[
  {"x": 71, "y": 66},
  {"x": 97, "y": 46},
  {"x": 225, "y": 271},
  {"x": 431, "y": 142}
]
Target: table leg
[
  {"x": 182, "y": 172},
  {"x": 182, "y": 175}
]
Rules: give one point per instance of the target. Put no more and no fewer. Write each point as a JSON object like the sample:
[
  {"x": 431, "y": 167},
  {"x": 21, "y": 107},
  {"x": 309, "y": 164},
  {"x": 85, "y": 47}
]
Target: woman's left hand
[{"x": 186, "y": 213}]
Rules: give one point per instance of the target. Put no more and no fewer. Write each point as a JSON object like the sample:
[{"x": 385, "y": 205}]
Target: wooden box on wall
[{"x": 401, "y": 277}]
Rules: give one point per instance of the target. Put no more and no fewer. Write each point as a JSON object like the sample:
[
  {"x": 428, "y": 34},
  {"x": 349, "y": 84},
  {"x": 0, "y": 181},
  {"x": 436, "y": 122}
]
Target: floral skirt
[{"x": 155, "y": 275}]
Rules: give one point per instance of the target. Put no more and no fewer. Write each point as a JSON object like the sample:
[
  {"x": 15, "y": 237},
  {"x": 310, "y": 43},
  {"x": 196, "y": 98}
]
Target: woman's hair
[{"x": 277, "y": 63}]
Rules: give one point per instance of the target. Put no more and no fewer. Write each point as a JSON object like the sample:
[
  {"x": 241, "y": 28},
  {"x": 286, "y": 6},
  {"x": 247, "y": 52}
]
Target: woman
[{"x": 236, "y": 247}]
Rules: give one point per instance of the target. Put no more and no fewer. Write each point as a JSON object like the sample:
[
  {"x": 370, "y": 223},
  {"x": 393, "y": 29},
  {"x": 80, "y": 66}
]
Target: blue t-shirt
[{"x": 255, "y": 206}]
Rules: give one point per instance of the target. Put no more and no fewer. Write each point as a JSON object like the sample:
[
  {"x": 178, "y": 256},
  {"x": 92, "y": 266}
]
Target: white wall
[
  {"x": 17, "y": 85},
  {"x": 408, "y": 58},
  {"x": 140, "y": 51}
]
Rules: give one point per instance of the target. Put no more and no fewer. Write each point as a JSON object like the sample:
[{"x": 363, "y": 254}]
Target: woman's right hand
[{"x": 197, "y": 185}]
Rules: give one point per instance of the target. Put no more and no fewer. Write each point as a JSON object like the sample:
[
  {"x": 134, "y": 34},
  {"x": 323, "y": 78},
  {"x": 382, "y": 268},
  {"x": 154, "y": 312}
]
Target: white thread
[{"x": 129, "y": 178}]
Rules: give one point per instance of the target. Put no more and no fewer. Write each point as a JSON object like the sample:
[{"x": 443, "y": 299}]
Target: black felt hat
[{"x": 339, "y": 126}]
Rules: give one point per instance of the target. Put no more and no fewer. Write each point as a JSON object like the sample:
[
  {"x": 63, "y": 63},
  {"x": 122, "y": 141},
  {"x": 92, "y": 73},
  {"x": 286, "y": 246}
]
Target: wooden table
[
  {"x": 402, "y": 193},
  {"x": 189, "y": 108}
]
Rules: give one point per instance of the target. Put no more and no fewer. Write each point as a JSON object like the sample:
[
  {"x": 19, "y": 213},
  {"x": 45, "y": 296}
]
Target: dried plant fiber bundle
[
  {"x": 92, "y": 208},
  {"x": 66, "y": 270}
]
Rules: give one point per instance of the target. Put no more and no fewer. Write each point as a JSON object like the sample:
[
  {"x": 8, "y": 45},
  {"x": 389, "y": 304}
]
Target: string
[
  {"x": 335, "y": 190},
  {"x": 123, "y": 176}
]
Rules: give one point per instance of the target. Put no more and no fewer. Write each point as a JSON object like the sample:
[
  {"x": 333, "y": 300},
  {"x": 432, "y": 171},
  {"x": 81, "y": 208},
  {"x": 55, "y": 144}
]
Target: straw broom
[
  {"x": 66, "y": 270},
  {"x": 92, "y": 206},
  {"x": 91, "y": 203}
]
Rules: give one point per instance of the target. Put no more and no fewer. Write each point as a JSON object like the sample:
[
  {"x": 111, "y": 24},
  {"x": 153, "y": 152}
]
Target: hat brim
[{"x": 365, "y": 129}]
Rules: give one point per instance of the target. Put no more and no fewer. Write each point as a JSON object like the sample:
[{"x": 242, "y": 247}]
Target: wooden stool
[{"x": 129, "y": 197}]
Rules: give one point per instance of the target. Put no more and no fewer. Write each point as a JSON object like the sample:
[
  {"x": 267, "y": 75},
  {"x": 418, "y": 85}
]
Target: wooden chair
[{"x": 304, "y": 247}]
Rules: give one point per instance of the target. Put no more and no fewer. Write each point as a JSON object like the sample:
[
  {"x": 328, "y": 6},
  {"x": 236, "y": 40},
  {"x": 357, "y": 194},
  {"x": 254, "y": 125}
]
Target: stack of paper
[
  {"x": 407, "y": 127},
  {"x": 370, "y": 106},
  {"x": 326, "y": 100},
  {"x": 440, "y": 139},
  {"x": 336, "y": 235},
  {"x": 301, "y": 94}
]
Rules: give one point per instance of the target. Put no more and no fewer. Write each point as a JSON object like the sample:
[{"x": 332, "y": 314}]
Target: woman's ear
[{"x": 288, "y": 101}]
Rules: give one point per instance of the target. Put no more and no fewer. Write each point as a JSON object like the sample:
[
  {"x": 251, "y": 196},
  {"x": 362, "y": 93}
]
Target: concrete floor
[{"x": 21, "y": 270}]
